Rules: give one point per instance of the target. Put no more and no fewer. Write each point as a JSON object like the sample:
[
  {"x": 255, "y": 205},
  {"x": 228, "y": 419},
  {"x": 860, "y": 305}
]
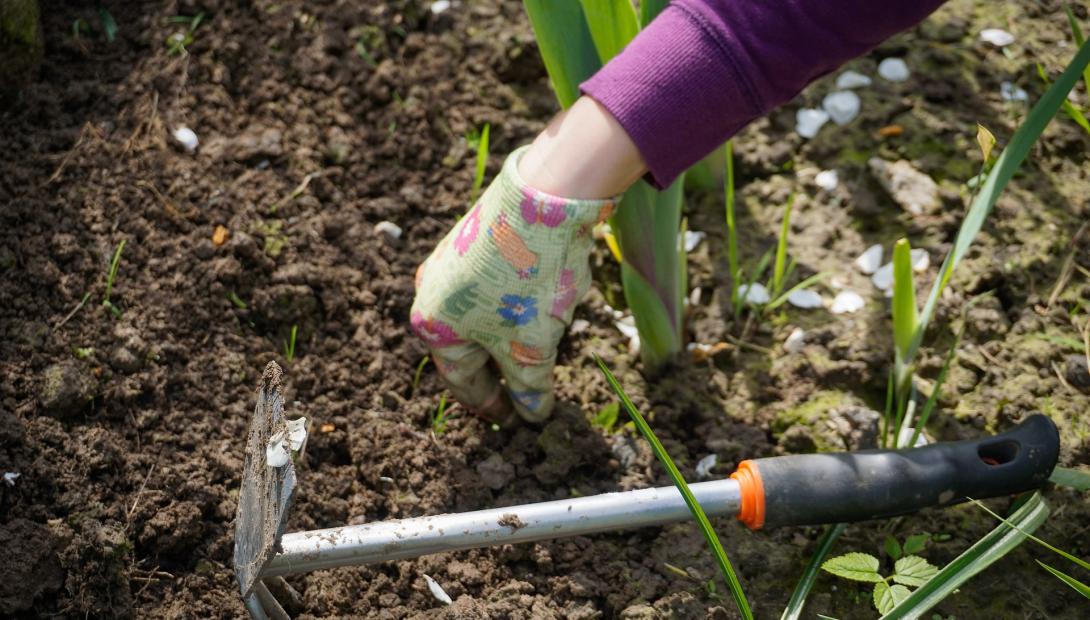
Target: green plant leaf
[
  {"x": 686, "y": 494},
  {"x": 893, "y": 548},
  {"x": 612, "y": 25},
  {"x": 732, "y": 233},
  {"x": 607, "y": 416},
  {"x": 993, "y": 546},
  {"x": 916, "y": 542},
  {"x": 109, "y": 25},
  {"x": 887, "y": 596},
  {"x": 1078, "y": 479},
  {"x": 1077, "y": 585},
  {"x": 649, "y": 9},
  {"x": 1001, "y": 173},
  {"x": 986, "y": 140},
  {"x": 912, "y": 570},
  {"x": 1076, "y": 32},
  {"x": 781, "y": 250},
  {"x": 482, "y": 162},
  {"x": 855, "y": 566},
  {"x": 566, "y": 46},
  {"x": 1077, "y": 560},
  {"x": 814, "y": 279},
  {"x": 806, "y": 582},
  {"x": 905, "y": 315}
]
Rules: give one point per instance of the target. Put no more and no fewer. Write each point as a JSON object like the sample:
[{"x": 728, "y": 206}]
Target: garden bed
[{"x": 317, "y": 121}]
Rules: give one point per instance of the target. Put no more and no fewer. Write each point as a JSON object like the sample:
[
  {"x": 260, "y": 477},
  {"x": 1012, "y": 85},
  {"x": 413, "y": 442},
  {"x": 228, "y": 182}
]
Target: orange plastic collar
[{"x": 753, "y": 495}]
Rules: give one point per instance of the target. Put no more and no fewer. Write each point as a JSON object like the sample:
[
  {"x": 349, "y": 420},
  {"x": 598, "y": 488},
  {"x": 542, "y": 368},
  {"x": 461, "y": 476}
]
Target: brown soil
[{"x": 127, "y": 429}]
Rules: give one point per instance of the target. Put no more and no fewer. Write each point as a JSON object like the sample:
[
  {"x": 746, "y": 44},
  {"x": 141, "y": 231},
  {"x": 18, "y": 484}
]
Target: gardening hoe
[{"x": 805, "y": 489}]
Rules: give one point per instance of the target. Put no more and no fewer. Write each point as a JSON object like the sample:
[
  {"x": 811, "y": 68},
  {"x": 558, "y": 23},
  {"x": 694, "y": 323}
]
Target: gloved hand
[{"x": 501, "y": 287}]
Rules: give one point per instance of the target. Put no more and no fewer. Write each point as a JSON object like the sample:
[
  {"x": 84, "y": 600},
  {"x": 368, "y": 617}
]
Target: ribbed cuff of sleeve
[{"x": 675, "y": 91}]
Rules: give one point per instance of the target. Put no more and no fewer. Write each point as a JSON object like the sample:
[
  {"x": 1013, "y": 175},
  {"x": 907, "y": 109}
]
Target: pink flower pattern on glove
[
  {"x": 539, "y": 208},
  {"x": 467, "y": 234},
  {"x": 434, "y": 332}
]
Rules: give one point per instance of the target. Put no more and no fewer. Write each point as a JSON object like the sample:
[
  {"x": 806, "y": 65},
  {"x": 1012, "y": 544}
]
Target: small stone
[
  {"x": 66, "y": 388},
  {"x": 827, "y": 180},
  {"x": 797, "y": 439},
  {"x": 883, "y": 278},
  {"x": 795, "y": 340},
  {"x": 1010, "y": 92},
  {"x": 808, "y": 121},
  {"x": 870, "y": 260},
  {"x": 893, "y": 69},
  {"x": 805, "y": 298},
  {"x": 1077, "y": 373},
  {"x": 187, "y": 138},
  {"x": 857, "y": 426},
  {"x": 997, "y": 37},
  {"x": 847, "y": 302},
  {"x": 842, "y": 106},
  {"x": 257, "y": 143},
  {"x": 391, "y": 230},
  {"x": 852, "y": 79},
  {"x": 579, "y": 326},
  {"x": 913, "y": 190},
  {"x": 754, "y": 294}
]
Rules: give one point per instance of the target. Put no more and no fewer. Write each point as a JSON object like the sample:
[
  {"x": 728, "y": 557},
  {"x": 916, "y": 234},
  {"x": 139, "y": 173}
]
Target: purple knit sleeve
[{"x": 703, "y": 69}]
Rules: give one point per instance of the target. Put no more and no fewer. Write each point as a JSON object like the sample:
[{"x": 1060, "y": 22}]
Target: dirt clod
[{"x": 66, "y": 388}]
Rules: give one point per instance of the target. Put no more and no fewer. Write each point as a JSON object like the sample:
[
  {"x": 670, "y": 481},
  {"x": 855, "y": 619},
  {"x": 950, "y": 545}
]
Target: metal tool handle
[{"x": 811, "y": 489}]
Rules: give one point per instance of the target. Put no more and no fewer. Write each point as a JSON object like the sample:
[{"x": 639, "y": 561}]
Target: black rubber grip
[{"x": 811, "y": 489}]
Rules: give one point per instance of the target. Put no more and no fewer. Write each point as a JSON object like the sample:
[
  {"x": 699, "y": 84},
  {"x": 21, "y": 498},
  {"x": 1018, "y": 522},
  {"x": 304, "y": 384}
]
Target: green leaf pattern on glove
[{"x": 502, "y": 286}]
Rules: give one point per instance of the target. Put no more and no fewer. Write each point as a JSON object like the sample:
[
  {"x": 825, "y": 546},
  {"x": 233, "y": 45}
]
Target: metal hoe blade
[{"x": 264, "y": 498}]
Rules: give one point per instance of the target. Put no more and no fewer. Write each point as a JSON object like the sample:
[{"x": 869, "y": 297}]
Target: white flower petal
[
  {"x": 704, "y": 466},
  {"x": 827, "y": 180},
  {"x": 439, "y": 6},
  {"x": 808, "y": 121},
  {"x": 921, "y": 260},
  {"x": 755, "y": 293},
  {"x": 883, "y": 278},
  {"x": 1010, "y": 92},
  {"x": 187, "y": 138},
  {"x": 852, "y": 79},
  {"x": 10, "y": 477},
  {"x": 389, "y": 229},
  {"x": 842, "y": 106},
  {"x": 693, "y": 239},
  {"x": 893, "y": 69},
  {"x": 795, "y": 340},
  {"x": 997, "y": 37},
  {"x": 805, "y": 298},
  {"x": 847, "y": 301},
  {"x": 579, "y": 326},
  {"x": 437, "y": 591},
  {"x": 695, "y": 295},
  {"x": 870, "y": 260}
]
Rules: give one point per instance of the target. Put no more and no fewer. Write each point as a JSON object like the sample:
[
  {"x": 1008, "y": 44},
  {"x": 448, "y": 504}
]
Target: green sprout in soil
[
  {"x": 83, "y": 352},
  {"x": 236, "y": 300},
  {"x": 478, "y": 141},
  {"x": 441, "y": 416},
  {"x": 289, "y": 344},
  {"x": 111, "y": 276},
  {"x": 690, "y": 500},
  {"x": 606, "y": 418},
  {"x": 179, "y": 41},
  {"x": 732, "y": 232},
  {"x": 109, "y": 25},
  {"x": 419, "y": 371},
  {"x": 1076, "y": 113}
]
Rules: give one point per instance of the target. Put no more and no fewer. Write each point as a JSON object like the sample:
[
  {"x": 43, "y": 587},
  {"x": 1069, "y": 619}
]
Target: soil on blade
[{"x": 126, "y": 421}]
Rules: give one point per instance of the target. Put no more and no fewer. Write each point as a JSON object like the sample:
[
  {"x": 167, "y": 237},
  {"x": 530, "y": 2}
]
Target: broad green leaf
[
  {"x": 798, "y": 598},
  {"x": 1078, "y": 479},
  {"x": 1005, "y": 166},
  {"x": 912, "y": 570},
  {"x": 855, "y": 566},
  {"x": 686, "y": 494},
  {"x": 986, "y": 141},
  {"x": 993, "y": 546},
  {"x": 893, "y": 548},
  {"x": 916, "y": 542},
  {"x": 1078, "y": 586},
  {"x": 612, "y": 25},
  {"x": 887, "y": 596},
  {"x": 658, "y": 339},
  {"x": 566, "y": 46}
]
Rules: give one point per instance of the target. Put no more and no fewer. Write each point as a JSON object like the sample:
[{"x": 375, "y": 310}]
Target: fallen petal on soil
[
  {"x": 827, "y": 180},
  {"x": 997, "y": 37},
  {"x": 852, "y": 79},
  {"x": 842, "y": 106},
  {"x": 805, "y": 298},
  {"x": 893, "y": 69},
  {"x": 437, "y": 591},
  {"x": 187, "y": 138},
  {"x": 10, "y": 477},
  {"x": 808, "y": 121},
  {"x": 1010, "y": 92},
  {"x": 755, "y": 293},
  {"x": 693, "y": 239},
  {"x": 795, "y": 340},
  {"x": 883, "y": 278},
  {"x": 870, "y": 260},
  {"x": 389, "y": 229},
  {"x": 704, "y": 466},
  {"x": 847, "y": 302},
  {"x": 921, "y": 260}
]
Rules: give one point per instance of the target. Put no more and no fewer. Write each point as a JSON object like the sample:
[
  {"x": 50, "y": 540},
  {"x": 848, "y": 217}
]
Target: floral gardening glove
[{"x": 502, "y": 286}]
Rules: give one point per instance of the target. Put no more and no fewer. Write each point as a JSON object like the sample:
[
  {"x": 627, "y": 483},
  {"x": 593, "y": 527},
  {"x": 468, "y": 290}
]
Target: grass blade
[
  {"x": 806, "y": 583},
  {"x": 1076, "y": 32},
  {"x": 115, "y": 263},
  {"x": 566, "y": 45},
  {"x": 1077, "y": 479},
  {"x": 732, "y": 232},
  {"x": 612, "y": 25},
  {"x": 1005, "y": 166},
  {"x": 1077, "y": 585},
  {"x": 781, "y": 250},
  {"x": 482, "y": 161},
  {"x": 1060, "y": 552},
  {"x": 649, "y": 9},
  {"x": 982, "y": 554},
  {"x": 814, "y": 279},
  {"x": 679, "y": 482}
]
